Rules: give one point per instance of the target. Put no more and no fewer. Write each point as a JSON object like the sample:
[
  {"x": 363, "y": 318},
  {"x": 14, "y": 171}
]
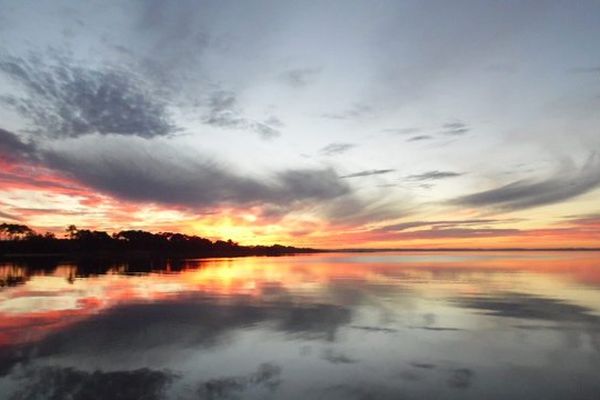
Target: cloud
[
  {"x": 350, "y": 210},
  {"x": 300, "y": 77},
  {"x": 224, "y": 113},
  {"x": 590, "y": 220},
  {"x": 433, "y": 175},
  {"x": 437, "y": 224},
  {"x": 419, "y": 138},
  {"x": 136, "y": 169},
  {"x": 457, "y": 233},
  {"x": 369, "y": 172},
  {"x": 64, "y": 99},
  {"x": 6, "y": 215},
  {"x": 568, "y": 183},
  {"x": 455, "y": 128},
  {"x": 358, "y": 110},
  {"x": 336, "y": 148},
  {"x": 12, "y": 148},
  {"x": 156, "y": 171}
]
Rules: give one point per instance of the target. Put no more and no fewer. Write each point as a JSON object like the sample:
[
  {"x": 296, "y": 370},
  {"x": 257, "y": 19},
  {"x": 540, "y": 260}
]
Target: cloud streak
[
  {"x": 336, "y": 148},
  {"x": 525, "y": 194},
  {"x": 369, "y": 172},
  {"x": 437, "y": 224},
  {"x": 434, "y": 175},
  {"x": 455, "y": 128},
  {"x": 419, "y": 138}
]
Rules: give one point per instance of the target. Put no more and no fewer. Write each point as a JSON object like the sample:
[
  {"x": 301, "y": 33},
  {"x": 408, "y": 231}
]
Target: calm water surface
[{"x": 337, "y": 326}]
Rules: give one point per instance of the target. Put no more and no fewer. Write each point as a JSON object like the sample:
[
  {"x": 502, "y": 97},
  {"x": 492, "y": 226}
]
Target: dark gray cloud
[
  {"x": 358, "y": 110},
  {"x": 64, "y": 99},
  {"x": 419, "y": 138},
  {"x": 137, "y": 169},
  {"x": 455, "y": 128},
  {"x": 13, "y": 148},
  {"x": 158, "y": 173},
  {"x": 336, "y": 148},
  {"x": 300, "y": 77},
  {"x": 433, "y": 175},
  {"x": 224, "y": 113},
  {"x": 369, "y": 172},
  {"x": 524, "y": 193}
]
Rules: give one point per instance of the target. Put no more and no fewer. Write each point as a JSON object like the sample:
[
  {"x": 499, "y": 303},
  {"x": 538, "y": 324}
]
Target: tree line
[{"x": 18, "y": 239}]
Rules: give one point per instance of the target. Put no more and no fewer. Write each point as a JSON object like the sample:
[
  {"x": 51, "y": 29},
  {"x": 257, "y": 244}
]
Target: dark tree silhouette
[
  {"x": 22, "y": 240},
  {"x": 14, "y": 231}
]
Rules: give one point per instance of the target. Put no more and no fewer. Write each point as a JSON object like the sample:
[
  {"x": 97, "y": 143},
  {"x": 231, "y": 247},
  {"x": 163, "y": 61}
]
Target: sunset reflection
[{"x": 44, "y": 302}]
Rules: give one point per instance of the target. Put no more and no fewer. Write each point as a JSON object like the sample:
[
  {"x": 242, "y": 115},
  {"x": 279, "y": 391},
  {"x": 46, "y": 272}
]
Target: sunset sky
[{"x": 330, "y": 124}]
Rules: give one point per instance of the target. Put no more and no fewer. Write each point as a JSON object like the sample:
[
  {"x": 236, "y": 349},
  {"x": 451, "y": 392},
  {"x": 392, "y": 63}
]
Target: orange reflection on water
[{"x": 50, "y": 302}]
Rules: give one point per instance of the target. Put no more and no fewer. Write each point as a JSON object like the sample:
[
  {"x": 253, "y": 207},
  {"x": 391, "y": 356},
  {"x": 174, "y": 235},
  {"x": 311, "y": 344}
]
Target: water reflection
[{"x": 347, "y": 326}]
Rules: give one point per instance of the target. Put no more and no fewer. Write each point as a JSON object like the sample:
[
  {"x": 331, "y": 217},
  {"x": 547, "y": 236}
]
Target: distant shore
[{"x": 465, "y": 249}]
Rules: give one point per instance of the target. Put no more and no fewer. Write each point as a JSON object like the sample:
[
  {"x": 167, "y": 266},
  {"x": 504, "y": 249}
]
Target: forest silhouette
[{"x": 21, "y": 240}]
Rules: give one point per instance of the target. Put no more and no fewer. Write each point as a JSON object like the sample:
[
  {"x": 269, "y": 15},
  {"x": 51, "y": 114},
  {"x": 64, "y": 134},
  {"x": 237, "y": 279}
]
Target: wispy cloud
[
  {"x": 6, "y": 215},
  {"x": 524, "y": 193},
  {"x": 457, "y": 233},
  {"x": 455, "y": 128},
  {"x": 419, "y": 138},
  {"x": 436, "y": 224},
  {"x": 224, "y": 112},
  {"x": 369, "y": 172},
  {"x": 336, "y": 148},
  {"x": 433, "y": 175}
]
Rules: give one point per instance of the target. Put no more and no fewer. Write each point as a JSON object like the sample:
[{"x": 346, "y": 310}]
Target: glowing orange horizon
[{"x": 48, "y": 201}]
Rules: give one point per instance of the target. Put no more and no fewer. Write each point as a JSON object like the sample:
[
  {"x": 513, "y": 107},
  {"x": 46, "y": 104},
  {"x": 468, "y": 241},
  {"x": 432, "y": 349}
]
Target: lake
[{"x": 399, "y": 325}]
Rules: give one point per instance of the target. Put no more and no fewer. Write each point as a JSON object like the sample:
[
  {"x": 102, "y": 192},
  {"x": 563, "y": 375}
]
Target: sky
[{"x": 329, "y": 124}]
